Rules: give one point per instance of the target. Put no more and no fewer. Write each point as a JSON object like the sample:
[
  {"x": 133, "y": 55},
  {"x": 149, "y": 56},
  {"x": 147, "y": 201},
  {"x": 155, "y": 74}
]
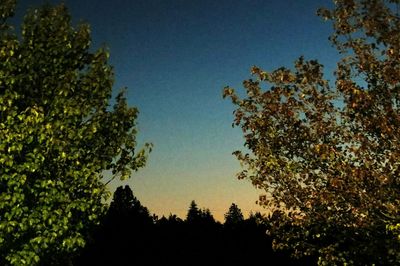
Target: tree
[
  {"x": 327, "y": 154},
  {"x": 258, "y": 218},
  {"x": 175, "y": 220},
  {"x": 58, "y": 135},
  {"x": 234, "y": 215},
  {"x": 207, "y": 217},
  {"x": 128, "y": 225},
  {"x": 194, "y": 214},
  {"x": 126, "y": 208}
]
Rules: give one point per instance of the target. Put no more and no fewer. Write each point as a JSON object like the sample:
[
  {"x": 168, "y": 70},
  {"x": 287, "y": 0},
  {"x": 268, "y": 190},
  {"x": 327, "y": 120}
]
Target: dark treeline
[{"x": 130, "y": 235}]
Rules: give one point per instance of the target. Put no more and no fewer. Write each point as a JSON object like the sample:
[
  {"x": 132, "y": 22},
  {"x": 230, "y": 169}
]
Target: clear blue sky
[{"x": 175, "y": 57}]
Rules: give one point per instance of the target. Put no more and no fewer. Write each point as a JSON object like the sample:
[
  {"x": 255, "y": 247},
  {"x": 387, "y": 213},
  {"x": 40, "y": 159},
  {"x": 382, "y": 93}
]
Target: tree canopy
[
  {"x": 327, "y": 154},
  {"x": 58, "y": 134}
]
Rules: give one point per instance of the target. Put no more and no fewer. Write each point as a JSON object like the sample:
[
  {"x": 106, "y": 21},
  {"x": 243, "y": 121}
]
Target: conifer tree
[{"x": 234, "y": 215}]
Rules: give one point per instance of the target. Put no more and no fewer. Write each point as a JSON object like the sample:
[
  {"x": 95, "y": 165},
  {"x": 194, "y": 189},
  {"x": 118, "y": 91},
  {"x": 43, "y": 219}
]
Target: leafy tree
[
  {"x": 234, "y": 215},
  {"x": 327, "y": 154},
  {"x": 57, "y": 136}
]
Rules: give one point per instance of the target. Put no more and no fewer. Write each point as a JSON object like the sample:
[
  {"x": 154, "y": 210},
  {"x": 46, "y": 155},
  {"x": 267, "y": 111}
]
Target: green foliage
[
  {"x": 328, "y": 155},
  {"x": 57, "y": 136}
]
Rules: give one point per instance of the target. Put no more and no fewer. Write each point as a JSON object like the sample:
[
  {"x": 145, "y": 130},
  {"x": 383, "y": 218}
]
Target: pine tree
[
  {"x": 194, "y": 214},
  {"x": 234, "y": 215}
]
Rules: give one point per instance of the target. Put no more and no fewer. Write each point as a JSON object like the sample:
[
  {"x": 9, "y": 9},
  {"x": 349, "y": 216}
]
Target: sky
[{"x": 175, "y": 57}]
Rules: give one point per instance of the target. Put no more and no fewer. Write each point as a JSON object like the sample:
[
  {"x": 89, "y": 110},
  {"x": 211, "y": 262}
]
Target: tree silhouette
[
  {"x": 194, "y": 213},
  {"x": 234, "y": 215},
  {"x": 206, "y": 217},
  {"x": 173, "y": 219},
  {"x": 129, "y": 226},
  {"x": 125, "y": 206},
  {"x": 171, "y": 241},
  {"x": 327, "y": 153}
]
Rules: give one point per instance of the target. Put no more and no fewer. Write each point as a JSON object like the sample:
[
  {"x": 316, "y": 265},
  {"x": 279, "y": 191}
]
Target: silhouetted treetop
[
  {"x": 234, "y": 215},
  {"x": 206, "y": 216},
  {"x": 194, "y": 213},
  {"x": 125, "y": 204}
]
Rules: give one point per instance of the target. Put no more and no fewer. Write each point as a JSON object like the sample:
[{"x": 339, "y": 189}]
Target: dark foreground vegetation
[{"x": 130, "y": 235}]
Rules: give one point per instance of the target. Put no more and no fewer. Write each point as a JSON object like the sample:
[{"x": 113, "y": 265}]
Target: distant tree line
[{"x": 130, "y": 235}]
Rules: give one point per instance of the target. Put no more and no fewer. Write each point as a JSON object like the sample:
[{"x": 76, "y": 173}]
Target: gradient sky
[{"x": 175, "y": 57}]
